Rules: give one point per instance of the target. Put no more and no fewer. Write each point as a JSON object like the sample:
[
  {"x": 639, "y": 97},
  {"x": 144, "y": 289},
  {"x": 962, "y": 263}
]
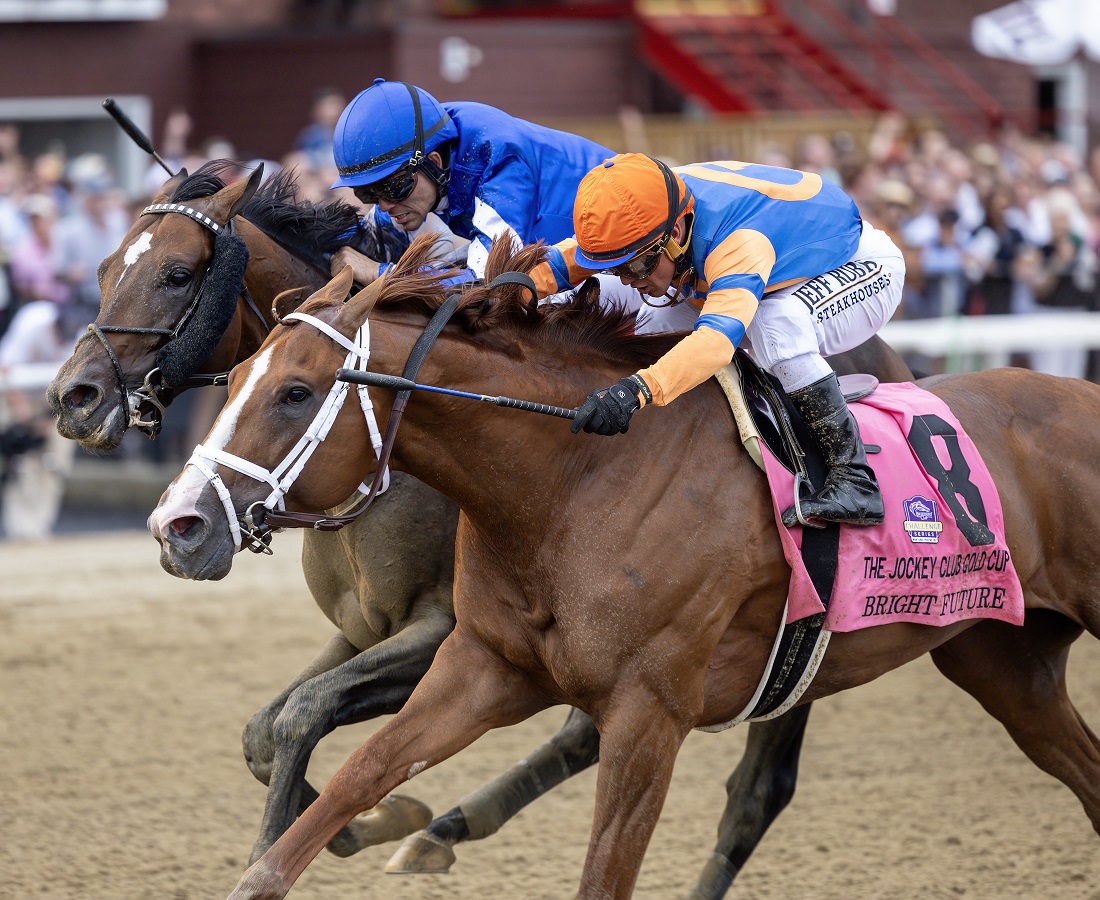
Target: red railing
[
  {"x": 679, "y": 41},
  {"x": 990, "y": 107},
  {"x": 687, "y": 73},
  {"x": 890, "y": 68},
  {"x": 750, "y": 55}
]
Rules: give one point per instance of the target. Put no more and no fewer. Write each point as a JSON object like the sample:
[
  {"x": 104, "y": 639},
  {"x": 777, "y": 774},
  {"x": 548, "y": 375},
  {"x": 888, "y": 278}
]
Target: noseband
[{"x": 153, "y": 393}]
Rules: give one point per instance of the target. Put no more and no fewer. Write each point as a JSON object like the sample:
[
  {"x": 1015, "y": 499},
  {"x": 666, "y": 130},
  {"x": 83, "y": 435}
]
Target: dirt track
[{"x": 124, "y": 692}]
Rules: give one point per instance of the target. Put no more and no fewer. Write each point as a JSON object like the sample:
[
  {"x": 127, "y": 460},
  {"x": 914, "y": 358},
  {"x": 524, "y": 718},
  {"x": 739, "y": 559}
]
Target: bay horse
[
  {"x": 639, "y": 579},
  {"x": 150, "y": 287},
  {"x": 385, "y": 581}
]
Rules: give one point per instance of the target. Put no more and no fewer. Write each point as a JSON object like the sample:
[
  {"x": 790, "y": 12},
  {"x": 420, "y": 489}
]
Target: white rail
[{"x": 994, "y": 337}]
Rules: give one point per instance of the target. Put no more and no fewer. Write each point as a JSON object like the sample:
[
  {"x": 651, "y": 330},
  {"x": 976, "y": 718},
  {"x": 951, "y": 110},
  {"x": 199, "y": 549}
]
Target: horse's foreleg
[
  {"x": 259, "y": 734},
  {"x": 639, "y": 741},
  {"x": 482, "y": 813},
  {"x": 758, "y": 790},
  {"x": 258, "y": 738},
  {"x": 375, "y": 682},
  {"x": 467, "y": 691},
  {"x": 1018, "y": 676}
]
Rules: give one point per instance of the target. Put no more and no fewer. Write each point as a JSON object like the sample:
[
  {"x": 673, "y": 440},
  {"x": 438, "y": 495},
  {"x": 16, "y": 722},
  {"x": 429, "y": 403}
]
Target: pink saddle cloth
[{"x": 940, "y": 555}]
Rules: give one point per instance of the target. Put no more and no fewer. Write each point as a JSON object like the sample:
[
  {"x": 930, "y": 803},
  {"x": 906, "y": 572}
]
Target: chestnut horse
[
  {"x": 639, "y": 579},
  {"x": 385, "y": 581}
]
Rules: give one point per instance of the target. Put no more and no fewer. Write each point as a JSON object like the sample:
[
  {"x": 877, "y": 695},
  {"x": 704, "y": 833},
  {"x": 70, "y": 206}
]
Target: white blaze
[
  {"x": 133, "y": 253},
  {"x": 184, "y": 492}
]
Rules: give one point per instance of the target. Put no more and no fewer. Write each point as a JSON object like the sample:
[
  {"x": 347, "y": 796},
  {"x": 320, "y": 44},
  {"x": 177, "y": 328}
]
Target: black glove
[{"x": 608, "y": 411}]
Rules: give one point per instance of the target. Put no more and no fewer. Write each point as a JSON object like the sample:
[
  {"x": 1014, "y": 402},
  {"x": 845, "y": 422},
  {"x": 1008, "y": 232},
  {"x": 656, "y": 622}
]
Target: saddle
[{"x": 939, "y": 557}]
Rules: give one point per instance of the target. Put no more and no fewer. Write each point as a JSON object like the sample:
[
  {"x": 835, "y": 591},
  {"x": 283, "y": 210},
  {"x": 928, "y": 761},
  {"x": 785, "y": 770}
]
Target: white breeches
[{"x": 796, "y": 326}]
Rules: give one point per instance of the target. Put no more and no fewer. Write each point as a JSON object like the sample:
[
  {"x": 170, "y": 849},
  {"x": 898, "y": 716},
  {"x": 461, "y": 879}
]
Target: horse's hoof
[
  {"x": 421, "y": 854},
  {"x": 395, "y": 817}
]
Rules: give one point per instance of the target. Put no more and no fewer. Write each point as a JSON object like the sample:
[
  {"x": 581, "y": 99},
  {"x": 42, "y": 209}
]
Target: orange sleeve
[
  {"x": 736, "y": 270},
  {"x": 692, "y": 361},
  {"x": 560, "y": 271},
  {"x": 745, "y": 252}
]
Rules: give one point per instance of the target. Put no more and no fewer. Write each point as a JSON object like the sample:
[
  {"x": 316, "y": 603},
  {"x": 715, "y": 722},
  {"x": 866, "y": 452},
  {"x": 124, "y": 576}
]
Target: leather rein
[{"x": 152, "y": 393}]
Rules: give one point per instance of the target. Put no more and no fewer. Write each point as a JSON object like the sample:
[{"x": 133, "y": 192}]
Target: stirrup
[{"x": 799, "y": 481}]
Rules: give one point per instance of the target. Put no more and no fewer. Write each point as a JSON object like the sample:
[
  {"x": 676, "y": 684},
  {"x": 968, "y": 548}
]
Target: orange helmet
[{"x": 628, "y": 204}]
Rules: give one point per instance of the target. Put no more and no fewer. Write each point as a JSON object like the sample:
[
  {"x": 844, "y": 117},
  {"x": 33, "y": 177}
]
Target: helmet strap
[
  {"x": 678, "y": 252},
  {"x": 419, "y": 161},
  {"x": 682, "y": 279},
  {"x": 440, "y": 175},
  {"x": 683, "y": 272}
]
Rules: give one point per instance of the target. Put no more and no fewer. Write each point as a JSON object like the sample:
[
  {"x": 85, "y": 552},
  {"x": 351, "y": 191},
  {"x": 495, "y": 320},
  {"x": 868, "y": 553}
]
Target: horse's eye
[
  {"x": 179, "y": 277},
  {"x": 297, "y": 395}
]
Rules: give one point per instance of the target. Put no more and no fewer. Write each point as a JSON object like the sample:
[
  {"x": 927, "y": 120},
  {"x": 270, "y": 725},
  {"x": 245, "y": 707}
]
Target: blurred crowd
[
  {"x": 1007, "y": 225},
  {"x": 1003, "y": 226},
  {"x": 60, "y": 217}
]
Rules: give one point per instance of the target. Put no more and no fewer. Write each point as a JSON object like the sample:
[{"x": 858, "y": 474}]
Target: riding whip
[
  {"x": 396, "y": 383},
  {"x": 136, "y": 134}
]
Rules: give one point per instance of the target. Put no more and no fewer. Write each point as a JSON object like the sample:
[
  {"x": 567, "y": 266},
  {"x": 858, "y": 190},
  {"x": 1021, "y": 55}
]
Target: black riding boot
[{"x": 850, "y": 493}]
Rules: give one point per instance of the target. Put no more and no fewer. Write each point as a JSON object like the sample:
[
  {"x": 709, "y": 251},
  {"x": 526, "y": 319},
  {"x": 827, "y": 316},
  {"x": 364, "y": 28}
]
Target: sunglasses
[
  {"x": 393, "y": 189},
  {"x": 640, "y": 265}
]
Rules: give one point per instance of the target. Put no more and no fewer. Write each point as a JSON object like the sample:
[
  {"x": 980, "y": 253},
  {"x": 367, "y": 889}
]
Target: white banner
[{"x": 1039, "y": 32}]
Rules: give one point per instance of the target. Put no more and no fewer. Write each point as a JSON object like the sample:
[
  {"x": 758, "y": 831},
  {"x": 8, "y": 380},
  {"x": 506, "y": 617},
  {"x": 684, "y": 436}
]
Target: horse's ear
[
  {"x": 336, "y": 291},
  {"x": 288, "y": 301},
  {"x": 589, "y": 291},
  {"x": 250, "y": 187},
  {"x": 231, "y": 199},
  {"x": 366, "y": 299},
  {"x": 169, "y": 187}
]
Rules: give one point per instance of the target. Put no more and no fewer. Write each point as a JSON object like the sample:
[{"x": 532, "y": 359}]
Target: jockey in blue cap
[{"x": 482, "y": 172}]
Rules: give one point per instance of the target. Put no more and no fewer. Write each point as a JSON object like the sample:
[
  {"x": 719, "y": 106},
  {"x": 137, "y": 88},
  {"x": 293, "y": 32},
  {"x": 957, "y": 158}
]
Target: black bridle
[{"x": 154, "y": 395}]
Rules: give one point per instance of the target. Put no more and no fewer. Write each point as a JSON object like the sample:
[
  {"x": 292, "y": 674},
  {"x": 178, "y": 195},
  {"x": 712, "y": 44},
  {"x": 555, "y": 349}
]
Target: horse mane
[
  {"x": 310, "y": 230},
  {"x": 578, "y": 324},
  {"x": 307, "y": 230}
]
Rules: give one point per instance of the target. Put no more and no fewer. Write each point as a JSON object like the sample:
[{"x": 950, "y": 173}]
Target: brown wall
[
  {"x": 255, "y": 89},
  {"x": 94, "y": 59},
  {"x": 254, "y": 86},
  {"x": 531, "y": 68},
  {"x": 231, "y": 13},
  {"x": 257, "y": 92}
]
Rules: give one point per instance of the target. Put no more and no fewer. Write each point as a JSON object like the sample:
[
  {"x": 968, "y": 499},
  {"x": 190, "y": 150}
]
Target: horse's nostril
[
  {"x": 80, "y": 396},
  {"x": 184, "y": 524}
]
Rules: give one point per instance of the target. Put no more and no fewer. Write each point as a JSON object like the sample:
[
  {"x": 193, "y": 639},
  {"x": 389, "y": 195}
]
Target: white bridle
[{"x": 282, "y": 477}]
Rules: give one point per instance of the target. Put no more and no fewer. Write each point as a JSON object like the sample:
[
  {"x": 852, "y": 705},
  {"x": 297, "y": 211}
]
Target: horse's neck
[
  {"x": 271, "y": 270},
  {"x": 509, "y": 469}
]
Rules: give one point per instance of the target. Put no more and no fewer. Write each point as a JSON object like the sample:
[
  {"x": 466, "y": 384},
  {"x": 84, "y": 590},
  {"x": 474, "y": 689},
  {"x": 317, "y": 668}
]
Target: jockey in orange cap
[{"x": 774, "y": 257}]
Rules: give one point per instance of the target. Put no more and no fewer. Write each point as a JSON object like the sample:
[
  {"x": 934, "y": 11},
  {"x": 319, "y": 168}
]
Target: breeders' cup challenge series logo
[{"x": 921, "y": 520}]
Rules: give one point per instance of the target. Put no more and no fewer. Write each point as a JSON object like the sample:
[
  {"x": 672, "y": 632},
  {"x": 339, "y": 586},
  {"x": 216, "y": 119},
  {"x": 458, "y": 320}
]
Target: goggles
[
  {"x": 641, "y": 264},
  {"x": 393, "y": 189}
]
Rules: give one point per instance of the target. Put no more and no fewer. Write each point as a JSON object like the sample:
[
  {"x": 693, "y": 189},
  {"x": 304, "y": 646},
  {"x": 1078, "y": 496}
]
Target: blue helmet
[{"x": 386, "y": 126}]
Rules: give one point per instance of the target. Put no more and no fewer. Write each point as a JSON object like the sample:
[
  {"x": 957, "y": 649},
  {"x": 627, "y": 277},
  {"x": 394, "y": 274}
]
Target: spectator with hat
[{"x": 84, "y": 238}]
